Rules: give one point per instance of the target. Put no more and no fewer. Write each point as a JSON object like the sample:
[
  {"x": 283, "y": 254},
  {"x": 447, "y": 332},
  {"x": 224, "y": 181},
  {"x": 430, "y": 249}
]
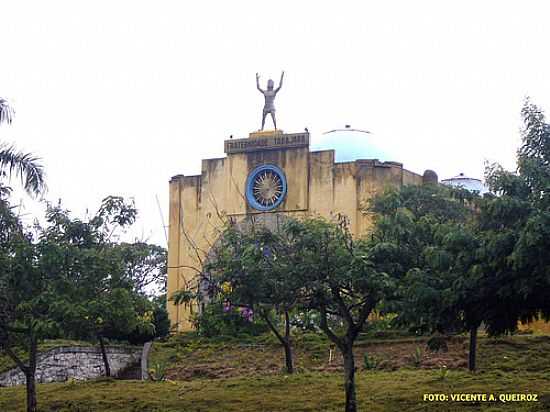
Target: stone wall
[{"x": 79, "y": 363}]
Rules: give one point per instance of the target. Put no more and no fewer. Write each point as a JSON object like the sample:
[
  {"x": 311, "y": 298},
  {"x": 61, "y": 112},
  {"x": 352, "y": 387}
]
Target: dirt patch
[
  {"x": 393, "y": 356},
  {"x": 415, "y": 354},
  {"x": 232, "y": 360}
]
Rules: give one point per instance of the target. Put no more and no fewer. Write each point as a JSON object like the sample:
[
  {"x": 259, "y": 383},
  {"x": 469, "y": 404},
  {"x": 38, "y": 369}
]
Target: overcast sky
[{"x": 118, "y": 96}]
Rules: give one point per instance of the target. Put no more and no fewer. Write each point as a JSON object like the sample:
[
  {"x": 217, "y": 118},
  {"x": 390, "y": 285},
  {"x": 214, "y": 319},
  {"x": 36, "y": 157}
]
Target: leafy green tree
[
  {"x": 428, "y": 236},
  {"x": 250, "y": 270},
  {"x": 494, "y": 269},
  {"x": 27, "y": 292},
  {"x": 14, "y": 162},
  {"x": 96, "y": 297},
  {"x": 338, "y": 279},
  {"x": 145, "y": 266},
  {"x": 515, "y": 225},
  {"x": 160, "y": 316}
]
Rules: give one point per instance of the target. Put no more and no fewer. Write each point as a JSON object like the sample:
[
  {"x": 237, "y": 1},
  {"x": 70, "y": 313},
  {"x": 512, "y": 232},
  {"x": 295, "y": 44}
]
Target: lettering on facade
[{"x": 266, "y": 143}]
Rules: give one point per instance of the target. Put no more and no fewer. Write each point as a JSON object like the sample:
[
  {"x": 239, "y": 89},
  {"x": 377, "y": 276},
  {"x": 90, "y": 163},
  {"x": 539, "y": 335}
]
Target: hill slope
[{"x": 224, "y": 375}]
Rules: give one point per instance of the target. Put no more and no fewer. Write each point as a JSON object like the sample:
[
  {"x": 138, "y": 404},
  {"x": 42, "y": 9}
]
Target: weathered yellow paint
[
  {"x": 316, "y": 186},
  {"x": 263, "y": 133}
]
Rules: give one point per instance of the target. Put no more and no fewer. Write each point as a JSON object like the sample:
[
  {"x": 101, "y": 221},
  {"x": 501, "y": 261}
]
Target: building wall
[{"x": 316, "y": 185}]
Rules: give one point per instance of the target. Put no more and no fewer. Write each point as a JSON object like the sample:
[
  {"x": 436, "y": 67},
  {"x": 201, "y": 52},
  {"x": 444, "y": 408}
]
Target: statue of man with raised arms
[{"x": 269, "y": 96}]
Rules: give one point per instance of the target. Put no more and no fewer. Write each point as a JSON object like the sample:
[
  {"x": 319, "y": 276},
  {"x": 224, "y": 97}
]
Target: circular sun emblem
[{"x": 266, "y": 187}]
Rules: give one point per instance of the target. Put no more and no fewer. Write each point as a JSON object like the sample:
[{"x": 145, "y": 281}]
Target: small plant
[
  {"x": 158, "y": 372},
  {"x": 369, "y": 362},
  {"x": 443, "y": 372},
  {"x": 417, "y": 356}
]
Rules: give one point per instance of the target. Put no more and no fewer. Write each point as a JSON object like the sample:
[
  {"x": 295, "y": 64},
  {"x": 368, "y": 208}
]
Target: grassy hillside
[
  {"x": 245, "y": 375},
  {"x": 377, "y": 391},
  {"x": 188, "y": 357}
]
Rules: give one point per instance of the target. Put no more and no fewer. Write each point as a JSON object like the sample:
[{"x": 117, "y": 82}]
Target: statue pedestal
[
  {"x": 266, "y": 140},
  {"x": 266, "y": 133}
]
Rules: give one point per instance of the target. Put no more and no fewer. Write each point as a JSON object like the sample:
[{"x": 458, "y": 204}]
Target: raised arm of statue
[
  {"x": 280, "y": 82},
  {"x": 258, "y": 83}
]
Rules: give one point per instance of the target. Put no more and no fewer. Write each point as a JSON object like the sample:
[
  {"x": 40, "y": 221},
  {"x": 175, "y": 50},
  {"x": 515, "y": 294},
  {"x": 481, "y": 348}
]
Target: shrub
[
  {"x": 305, "y": 320},
  {"x": 215, "y": 321},
  {"x": 158, "y": 372},
  {"x": 437, "y": 343},
  {"x": 369, "y": 362},
  {"x": 443, "y": 372},
  {"x": 417, "y": 356},
  {"x": 161, "y": 322},
  {"x": 384, "y": 327}
]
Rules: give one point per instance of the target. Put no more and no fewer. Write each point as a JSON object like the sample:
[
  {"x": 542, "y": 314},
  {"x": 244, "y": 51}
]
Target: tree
[
  {"x": 448, "y": 292},
  {"x": 250, "y": 269},
  {"x": 96, "y": 297},
  {"x": 145, "y": 265},
  {"x": 160, "y": 316},
  {"x": 27, "y": 292},
  {"x": 23, "y": 165},
  {"x": 254, "y": 268},
  {"x": 339, "y": 280},
  {"x": 492, "y": 269},
  {"x": 515, "y": 225},
  {"x": 70, "y": 279},
  {"x": 430, "y": 236}
]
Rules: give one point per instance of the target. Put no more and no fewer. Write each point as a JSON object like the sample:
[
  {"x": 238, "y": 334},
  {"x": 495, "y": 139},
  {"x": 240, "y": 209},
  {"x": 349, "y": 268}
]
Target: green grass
[
  {"x": 377, "y": 391},
  {"x": 189, "y": 356},
  {"x": 520, "y": 353},
  {"x": 233, "y": 374}
]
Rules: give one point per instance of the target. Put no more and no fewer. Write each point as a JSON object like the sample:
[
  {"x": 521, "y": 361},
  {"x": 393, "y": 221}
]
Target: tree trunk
[
  {"x": 104, "y": 355},
  {"x": 28, "y": 371},
  {"x": 286, "y": 341},
  {"x": 30, "y": 377},
  {"x": 349, "y": 379},
  {"x": 31, "y": 391},
  {"x": 287, "y": 345},
  {"x": 288, "y": 358},
  {"x": 473, "y": 347}
]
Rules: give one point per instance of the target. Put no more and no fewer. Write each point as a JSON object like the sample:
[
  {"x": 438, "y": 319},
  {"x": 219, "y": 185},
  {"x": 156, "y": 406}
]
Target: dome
[
  {"x": 469, "y": 183},
  {"x": 429, "y": 177},
  {"x": 350, "y": 145}
]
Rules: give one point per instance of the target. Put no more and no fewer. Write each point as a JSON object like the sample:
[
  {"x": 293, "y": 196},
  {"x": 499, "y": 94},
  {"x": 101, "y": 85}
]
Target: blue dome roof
[{"x": 350, "y": 145}]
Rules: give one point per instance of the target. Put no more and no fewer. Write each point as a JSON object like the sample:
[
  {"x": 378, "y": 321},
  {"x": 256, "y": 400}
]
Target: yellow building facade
[{"x": 268, "y": 173}]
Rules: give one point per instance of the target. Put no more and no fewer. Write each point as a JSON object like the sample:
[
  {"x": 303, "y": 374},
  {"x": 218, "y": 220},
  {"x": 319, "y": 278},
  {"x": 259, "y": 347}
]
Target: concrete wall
[
  {"x": 79, "y": 363},
  {"x": 316, "y": 185}
]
